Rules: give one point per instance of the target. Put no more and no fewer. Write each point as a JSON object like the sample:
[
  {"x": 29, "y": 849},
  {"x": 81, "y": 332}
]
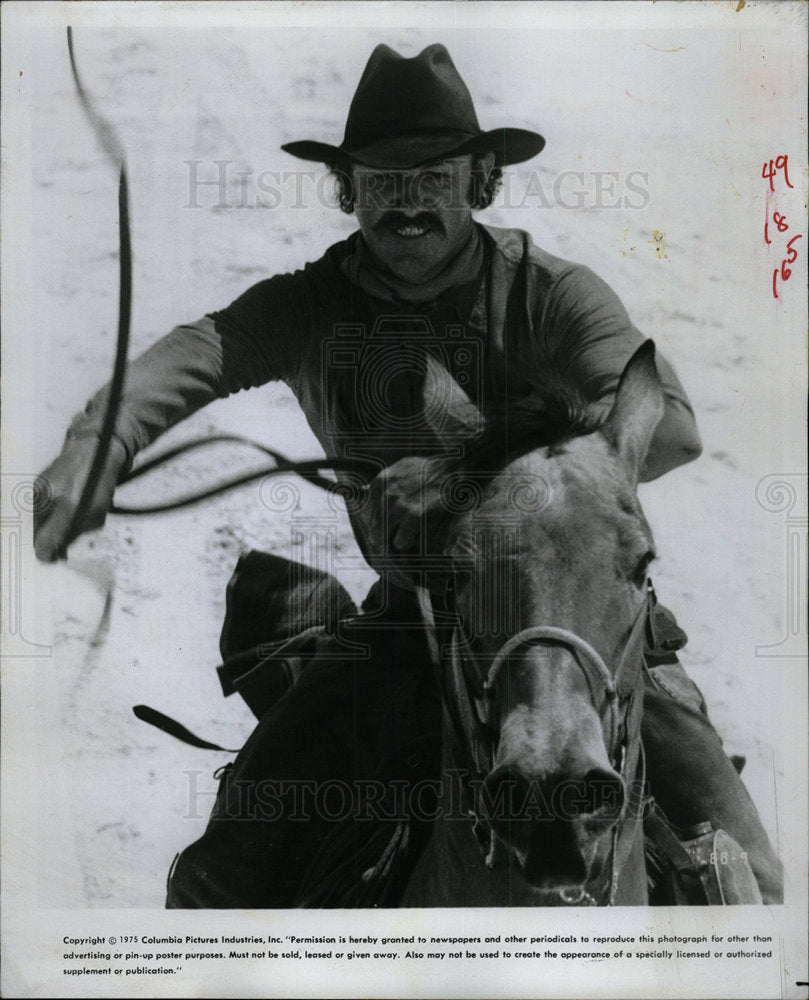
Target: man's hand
[
  {"x": 60, "y": 487},
  {"x": 402, "y": 496}
]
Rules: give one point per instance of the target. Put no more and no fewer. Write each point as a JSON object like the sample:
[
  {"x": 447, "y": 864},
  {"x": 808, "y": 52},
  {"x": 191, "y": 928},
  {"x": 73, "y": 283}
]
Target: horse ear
[
  {"x": 448, "y": 410},
  {"x": 637, "y": 410}
]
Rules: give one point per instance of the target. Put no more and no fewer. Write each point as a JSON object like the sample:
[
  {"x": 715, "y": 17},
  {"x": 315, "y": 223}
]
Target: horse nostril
[
  {"x": 604, "y": 793},
  {"x": 598, "y": 795},
  {"x": 505, "y": 796}
]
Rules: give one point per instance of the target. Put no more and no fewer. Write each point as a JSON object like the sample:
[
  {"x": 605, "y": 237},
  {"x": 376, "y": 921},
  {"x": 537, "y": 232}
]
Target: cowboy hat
[{"x": 410, "y": 111}]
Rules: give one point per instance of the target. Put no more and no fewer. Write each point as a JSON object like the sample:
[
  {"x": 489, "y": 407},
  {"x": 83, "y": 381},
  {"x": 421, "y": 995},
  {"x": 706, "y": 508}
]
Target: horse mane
[{"x": 513, "y": 428}]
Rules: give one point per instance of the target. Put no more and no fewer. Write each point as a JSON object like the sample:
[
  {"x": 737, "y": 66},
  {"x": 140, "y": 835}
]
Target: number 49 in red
[{"x": 769, "y": 170}]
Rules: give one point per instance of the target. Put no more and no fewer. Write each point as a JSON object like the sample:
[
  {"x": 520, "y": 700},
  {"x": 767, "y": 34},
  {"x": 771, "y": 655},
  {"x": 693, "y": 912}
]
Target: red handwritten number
[
  {"x": 786, "y": 272},
  {"x": 771, "y": 168},
  {"x": 769, "y": 171},
  {"x": 781, "y": 164},
  {"x": 792, "y": 255},
  {"x": 781, "y": 224}
]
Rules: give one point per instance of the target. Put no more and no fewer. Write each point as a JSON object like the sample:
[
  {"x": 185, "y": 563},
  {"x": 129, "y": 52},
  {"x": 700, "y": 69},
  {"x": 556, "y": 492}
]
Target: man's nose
[{"x": 405, "y": 191}]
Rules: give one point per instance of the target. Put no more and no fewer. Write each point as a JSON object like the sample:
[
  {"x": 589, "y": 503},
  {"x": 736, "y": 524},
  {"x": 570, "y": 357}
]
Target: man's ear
[
  {"x": 486, "y": 163},
  {"x": 482, "y": 166}
]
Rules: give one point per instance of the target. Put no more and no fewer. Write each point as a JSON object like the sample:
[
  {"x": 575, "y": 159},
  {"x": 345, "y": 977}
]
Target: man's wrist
[{"x": 84, "y": 433}]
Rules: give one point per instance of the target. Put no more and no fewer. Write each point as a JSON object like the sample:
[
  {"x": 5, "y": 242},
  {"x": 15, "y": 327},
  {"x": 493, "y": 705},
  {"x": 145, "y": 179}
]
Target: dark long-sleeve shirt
[{"x": 357, "y": 363}]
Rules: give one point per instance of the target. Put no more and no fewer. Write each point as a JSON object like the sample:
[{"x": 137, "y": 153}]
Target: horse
[
  {"x": 534, "y": 626},
  {"x": 541, "y": 661}
]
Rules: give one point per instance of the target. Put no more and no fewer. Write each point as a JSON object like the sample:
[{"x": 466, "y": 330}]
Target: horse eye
[{"x": 639, "y": 576}]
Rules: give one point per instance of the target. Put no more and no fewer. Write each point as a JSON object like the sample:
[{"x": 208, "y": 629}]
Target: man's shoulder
[
  {"x": 325, "y": 270},
  {"x": 312, "y": 273},
  {"x": 338, "y": 252},
  {"x": 517, "y": 247},
  {"x": 547, "y": 274}
]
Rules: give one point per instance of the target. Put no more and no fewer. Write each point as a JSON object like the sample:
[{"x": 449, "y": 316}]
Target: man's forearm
[{"x": 171, "y": 380}]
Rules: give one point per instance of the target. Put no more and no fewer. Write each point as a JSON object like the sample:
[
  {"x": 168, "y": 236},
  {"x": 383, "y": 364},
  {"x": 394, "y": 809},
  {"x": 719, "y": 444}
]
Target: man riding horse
[{"x": 420, "y": 280}]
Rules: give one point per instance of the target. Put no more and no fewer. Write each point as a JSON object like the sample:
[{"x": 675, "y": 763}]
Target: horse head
[{"x": 550, "y": 567}]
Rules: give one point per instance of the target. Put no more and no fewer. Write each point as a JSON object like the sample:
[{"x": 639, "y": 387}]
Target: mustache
[{"x": 424, "y": 220}]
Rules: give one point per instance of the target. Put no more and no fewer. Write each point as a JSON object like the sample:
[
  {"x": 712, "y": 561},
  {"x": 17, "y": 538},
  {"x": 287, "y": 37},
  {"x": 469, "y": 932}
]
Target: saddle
[{"x": 275, "y": 609}]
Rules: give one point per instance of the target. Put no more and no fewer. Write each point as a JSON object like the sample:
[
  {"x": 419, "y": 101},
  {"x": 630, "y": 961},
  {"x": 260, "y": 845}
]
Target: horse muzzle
[{"x": 559, "y": 828}]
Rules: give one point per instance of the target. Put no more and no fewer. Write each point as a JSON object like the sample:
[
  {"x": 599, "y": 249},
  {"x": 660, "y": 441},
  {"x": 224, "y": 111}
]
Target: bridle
[
  {"x": 604, "y": 685},
  {"x": 614, "y": 694}
]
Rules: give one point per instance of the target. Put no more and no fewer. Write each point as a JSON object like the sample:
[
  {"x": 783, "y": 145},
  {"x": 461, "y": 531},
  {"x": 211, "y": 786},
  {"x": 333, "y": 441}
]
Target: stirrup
[{"x": 699, "y": 866}]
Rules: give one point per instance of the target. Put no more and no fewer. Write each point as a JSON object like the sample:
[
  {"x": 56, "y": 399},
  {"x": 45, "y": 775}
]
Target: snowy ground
[{"x": 115, "y": 798}]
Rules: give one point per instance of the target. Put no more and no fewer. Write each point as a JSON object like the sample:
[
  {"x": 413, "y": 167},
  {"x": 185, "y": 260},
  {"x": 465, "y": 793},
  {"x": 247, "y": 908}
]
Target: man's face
[{"x": 415, "y": 221}]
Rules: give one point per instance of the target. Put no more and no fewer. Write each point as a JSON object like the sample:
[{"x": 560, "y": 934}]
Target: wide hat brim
[{"x": 509, "y": 145}]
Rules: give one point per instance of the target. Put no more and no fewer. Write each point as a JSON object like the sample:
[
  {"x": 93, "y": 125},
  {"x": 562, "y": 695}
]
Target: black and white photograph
[{"x": 404, "y": 499}]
